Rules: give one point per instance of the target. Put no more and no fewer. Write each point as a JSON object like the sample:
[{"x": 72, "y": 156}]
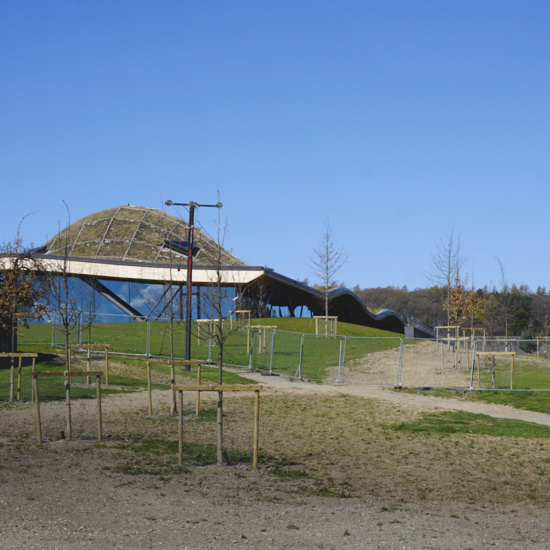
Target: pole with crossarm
[{"x": 188, "y": 309}]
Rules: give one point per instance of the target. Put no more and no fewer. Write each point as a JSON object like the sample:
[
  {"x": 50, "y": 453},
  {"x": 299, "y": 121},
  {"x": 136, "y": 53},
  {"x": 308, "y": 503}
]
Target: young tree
[
  {"x": 65, "y": 295},
  {"x": 19, "y": 294},
  {"x": 326, "y": 262},
  {"x": 217, "y": 309},
  {"x": 447, "y": 262},
  {"x": 19, "y": 297}
]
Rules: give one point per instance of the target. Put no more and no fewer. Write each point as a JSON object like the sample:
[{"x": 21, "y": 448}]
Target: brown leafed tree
[{"x": 20, "y": 296}]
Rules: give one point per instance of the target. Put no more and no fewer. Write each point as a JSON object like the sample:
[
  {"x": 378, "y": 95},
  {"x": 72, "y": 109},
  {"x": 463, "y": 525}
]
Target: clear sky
[{"x": 394, "y": 121}]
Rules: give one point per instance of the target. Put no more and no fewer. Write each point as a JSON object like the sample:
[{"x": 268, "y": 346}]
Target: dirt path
[{"x": 423, "y": 400}]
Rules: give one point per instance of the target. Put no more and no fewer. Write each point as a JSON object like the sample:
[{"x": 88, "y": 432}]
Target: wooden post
[
  {"x": 256, "y": 428},
  {"x": 106, "y": 366},
  {"x": 173, "y": 407},
  {"x": 69, "y": 427},
  {"x": 68, "y": 375},
  {"x": 512, "y": 374},
  {"x": 19, "y": 378},
  {"x": 32, "y": 385},
  {"x": 493, "y": 357},
  {"x": 38, "y": 426},
  {"x": 149, "y": 388},
  {"x": 12, "y": 371},
  {"x": 99, "y": 418},
  {"x": 198, "y": 405},
  {"x": 89, "y": 364},
  {"x": 220, "y": 388},
  {"x": 186, "y": 362},
  {"x": 12, "y": 380},
  {"x": 180, "y": 429}
]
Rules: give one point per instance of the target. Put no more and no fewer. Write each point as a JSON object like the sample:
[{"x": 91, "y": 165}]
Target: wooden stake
[
  {"x": 12, "y": 380},
  {"x": 88, "y": 364},
  {"x": 99, "y": 418},
  {"x": 19, "y": 378},
  {"x": 32, "y": 385},
  {"x": 69, "y": 427},
  {"x": 220, "y": 388},
  {"x": 38, "y": 426},
  {"x": 256, "y": 428},
  {"x": 149, "y": 388},
  {"x": 106, "y": 366},
  {"x": 180, "y": 429},
  {"x": 198, "y": 405}
]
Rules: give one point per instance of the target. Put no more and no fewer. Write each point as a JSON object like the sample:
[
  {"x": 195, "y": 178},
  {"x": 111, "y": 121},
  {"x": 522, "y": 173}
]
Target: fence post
[
  {"x": 474, "y": 353},
  {"x": 399, "y": 364},
  {"x": 340, "y": 363},
  {"x": 302, "y": 339},
  {"x": 272, "y": 348},
  {"x": 251, "y": 348}
]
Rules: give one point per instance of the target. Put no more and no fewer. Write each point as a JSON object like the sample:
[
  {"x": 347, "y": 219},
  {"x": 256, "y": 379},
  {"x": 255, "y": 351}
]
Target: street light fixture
[{"x": 188, "y": 309}]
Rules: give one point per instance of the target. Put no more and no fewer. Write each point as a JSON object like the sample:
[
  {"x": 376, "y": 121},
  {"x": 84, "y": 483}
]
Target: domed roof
[{"x": 135, "y": 234}]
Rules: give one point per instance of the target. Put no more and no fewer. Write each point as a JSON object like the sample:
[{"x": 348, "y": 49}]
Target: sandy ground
[{"x": 70, "y": 494}]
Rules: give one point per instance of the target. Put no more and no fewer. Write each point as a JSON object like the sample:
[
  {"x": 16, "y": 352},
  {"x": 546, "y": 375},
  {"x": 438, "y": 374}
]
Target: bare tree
[
  {"x": 447, "y": 262},
  {"x": 326, "y": 262},
  {"x": 217, "y": 308},
  {"x": 64, "y": 295},
  {"x": 504, "y": 301}
]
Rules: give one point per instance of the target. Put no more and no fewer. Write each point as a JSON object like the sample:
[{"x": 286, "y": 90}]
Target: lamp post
[{"x": 190, "y": 252}]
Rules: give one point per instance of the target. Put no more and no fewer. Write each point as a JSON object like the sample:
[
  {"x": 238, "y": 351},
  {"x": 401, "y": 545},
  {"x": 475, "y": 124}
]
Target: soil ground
[{"x": 333, "y": 474}]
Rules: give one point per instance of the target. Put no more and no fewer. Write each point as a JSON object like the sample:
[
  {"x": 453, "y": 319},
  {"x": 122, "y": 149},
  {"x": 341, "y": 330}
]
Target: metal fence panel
[
  {"x": 427, "y": 363},
  {"x": 372, "y": 361},
  {"x": 321, "y": 357},
  {"x": 510, "y": 365}
]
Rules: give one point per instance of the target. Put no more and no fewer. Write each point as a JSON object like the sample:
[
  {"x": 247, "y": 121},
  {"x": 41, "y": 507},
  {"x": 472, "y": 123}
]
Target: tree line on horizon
[{"x": 509, "y": 311}]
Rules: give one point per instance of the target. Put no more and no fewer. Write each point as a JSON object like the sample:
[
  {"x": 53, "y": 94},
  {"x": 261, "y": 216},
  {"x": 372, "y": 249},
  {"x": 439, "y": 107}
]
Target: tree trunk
[
  {"x": 220, "y": 429},
  {"x": 69, "y": 427}
]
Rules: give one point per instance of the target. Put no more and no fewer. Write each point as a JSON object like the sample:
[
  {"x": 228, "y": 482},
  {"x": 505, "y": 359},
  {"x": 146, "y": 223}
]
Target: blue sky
[{"x": 395, "y": 121}]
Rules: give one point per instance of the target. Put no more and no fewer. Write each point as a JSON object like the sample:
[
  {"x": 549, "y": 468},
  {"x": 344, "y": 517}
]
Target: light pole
[{"x": 190, "y": 252}]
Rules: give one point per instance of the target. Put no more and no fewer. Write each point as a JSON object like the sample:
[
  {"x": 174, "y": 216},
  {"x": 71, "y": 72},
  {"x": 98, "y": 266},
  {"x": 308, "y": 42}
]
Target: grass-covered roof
[{"x": 134, "y": 234}]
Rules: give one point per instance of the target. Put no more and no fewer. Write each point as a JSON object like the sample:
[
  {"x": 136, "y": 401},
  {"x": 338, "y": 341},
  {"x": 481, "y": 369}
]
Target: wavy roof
[{"x": 144, "y": 244}]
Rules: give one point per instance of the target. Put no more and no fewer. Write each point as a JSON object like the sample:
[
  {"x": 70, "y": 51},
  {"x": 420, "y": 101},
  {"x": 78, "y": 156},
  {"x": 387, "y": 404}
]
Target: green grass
[
  {"x": 53, "y": 388},
  {"x": 537, "y": 401},
  {"x": 528, "y": 400},
  {"x": 528, "y": 373},
  {"x": 454, "y": 422},
  {"x": 318, "y": 355}
]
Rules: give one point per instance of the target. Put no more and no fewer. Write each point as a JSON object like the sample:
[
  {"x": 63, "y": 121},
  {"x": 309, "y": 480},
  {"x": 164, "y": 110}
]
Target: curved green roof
[{"x": 135, "y": 233}]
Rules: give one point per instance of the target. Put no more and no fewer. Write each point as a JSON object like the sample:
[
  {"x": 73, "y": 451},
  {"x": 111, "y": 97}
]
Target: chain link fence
[{"x": 460, "y": 363}]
